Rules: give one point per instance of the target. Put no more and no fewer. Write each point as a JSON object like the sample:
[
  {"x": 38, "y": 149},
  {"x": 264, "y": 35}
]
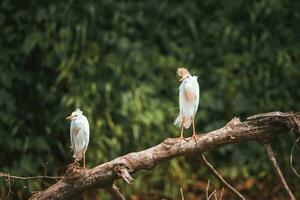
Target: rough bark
[{"x": 261, "y": 128}]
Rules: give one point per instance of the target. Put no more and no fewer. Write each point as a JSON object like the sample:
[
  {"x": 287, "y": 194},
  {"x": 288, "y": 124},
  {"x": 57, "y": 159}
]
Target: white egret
[
  {"x": 79, "y": 134},
  {"x": 188, "y": 101}
]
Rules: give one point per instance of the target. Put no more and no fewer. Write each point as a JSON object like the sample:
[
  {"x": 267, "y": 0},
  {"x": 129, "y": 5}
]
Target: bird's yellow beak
[{"x": 69, "y": 117}]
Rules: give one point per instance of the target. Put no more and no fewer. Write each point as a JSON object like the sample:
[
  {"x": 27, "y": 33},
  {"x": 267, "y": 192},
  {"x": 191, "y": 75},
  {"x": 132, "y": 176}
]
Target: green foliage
[{"x": 116, "y": 60}]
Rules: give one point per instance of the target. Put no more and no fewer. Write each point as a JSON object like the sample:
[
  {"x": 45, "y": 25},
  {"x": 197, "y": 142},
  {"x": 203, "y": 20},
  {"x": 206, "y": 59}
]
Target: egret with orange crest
[{"x": 189, "y": 93}]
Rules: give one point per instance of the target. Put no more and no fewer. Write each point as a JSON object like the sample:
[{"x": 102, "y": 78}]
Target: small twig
[
  {"x": 212, "y": 194},
  {"x": 278, "y": 171},
  {"x": 45, "y": 167},
  {"x": 9, "y": 186},
  {"x": 29, "y": 177},
  {"x": 221, "y": 196},
  {"x": 291, "y": 157},
  {"x": 215, "y": 195},
  {"x": 181, "y": 192},
  {"x": 220, "y": 178},
  {"x": 115, "y": 193},
  {"x": 207, "y": 188}
]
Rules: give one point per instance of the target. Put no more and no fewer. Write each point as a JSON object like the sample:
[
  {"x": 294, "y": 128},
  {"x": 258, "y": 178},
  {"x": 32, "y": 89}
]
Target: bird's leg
[
  {"x": 181, "y": 129},
  {"x": 84, "y": 160},
  {"x": 181, "y": 132},
  {"x": 194, "y": 131}
]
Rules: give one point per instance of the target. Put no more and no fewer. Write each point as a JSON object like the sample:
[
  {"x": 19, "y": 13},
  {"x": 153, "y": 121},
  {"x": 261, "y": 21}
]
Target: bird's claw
[
  {"x": 194, "y": 137},
  {"x": 182, "y": 138}
]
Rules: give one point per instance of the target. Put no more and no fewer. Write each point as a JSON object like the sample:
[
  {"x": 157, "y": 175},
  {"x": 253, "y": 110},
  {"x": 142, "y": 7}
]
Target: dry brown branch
[
  {"x": 257, "y": 128},
  {"x": 278, "y": 171},
  {"x": 211, "y": 168},
  {"x": 115, "y": 193}
]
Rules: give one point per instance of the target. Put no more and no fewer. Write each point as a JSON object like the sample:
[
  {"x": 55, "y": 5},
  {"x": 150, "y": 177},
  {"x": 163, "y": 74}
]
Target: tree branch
[
  {"x": 258, "y": 128},
  {"x": 220, "y": 178},
  {"x": 278, "y": 171}
]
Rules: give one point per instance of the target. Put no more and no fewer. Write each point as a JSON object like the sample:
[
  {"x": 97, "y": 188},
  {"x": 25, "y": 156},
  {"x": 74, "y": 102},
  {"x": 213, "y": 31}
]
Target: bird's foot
[
  {"x": 194, "y": 136},
  {"x": 182, "y": 138}
]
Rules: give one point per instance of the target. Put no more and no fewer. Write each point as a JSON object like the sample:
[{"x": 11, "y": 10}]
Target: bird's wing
[
  {"x": 73, "y": 132},
  {"x": 197, "y": 92},
  {"x": 86, "y": 128},
  {"x": 79, "y": 140},
  {"x": 187, "y": 99},
  {"x": 71, "y": 138}
]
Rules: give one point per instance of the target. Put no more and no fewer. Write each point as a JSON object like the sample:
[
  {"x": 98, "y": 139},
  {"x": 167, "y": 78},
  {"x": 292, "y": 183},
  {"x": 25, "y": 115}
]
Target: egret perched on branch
[
  {"x": 79, "y": 134},
  {"x": 188, "y": 100}
]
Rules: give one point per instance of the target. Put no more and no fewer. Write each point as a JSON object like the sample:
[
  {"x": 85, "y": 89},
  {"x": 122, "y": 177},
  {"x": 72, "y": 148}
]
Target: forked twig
[
  {"x": 220, "y": 178},
  {"x": 277, "y": 169}
]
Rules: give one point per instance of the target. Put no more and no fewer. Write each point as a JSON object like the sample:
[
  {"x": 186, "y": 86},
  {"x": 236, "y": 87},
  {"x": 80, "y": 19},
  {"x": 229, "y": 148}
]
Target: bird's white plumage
[
  {"x": 188, "y": 101},
  {"x": 79, "y": 134}
]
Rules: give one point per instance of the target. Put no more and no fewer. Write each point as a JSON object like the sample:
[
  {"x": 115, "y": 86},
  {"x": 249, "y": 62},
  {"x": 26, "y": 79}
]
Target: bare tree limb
[
  {"x": 257, "y": 128},
  {"x": 115, "y": 193},
  {"x": 278, "y": 171},
  {"x": 220, "y": 178}
]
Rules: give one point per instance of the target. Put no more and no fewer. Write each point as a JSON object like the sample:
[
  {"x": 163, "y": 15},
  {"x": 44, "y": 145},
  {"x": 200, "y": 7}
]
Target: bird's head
[
  {"x": 183, "y": 73},
  {"x": 75, "y": 114}
]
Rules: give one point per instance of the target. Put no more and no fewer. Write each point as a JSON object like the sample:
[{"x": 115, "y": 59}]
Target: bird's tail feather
[
  {"x": 178, "y": 120},
  {"x": 186, "y": 122}
]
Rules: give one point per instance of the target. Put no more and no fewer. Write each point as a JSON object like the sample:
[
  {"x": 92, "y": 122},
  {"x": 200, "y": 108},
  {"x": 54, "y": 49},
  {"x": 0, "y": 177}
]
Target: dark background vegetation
[{"x": 117, "y": 61}]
